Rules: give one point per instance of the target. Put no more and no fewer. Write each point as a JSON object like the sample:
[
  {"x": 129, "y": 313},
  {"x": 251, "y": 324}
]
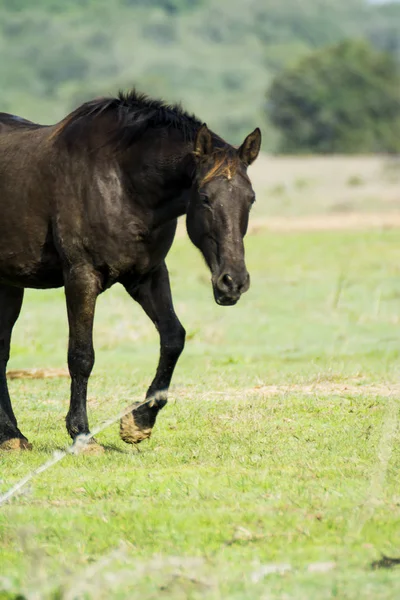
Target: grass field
[{"x": 274, "y": 470}]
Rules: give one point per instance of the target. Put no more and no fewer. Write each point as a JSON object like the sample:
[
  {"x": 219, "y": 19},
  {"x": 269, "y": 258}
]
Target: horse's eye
[
  {"x": 253, "y": 199},
  {"x": 205, "y": 199}
]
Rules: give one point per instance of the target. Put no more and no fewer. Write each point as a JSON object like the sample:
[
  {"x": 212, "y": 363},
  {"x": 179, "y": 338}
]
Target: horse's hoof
[
  {"x": 92, "y": 447},
  {"x": 16, "y": 444},
  {"x": 132, "y": 432}
]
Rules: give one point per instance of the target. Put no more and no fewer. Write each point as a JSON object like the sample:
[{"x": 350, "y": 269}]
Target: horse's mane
[{"x": 135, "y": 113}]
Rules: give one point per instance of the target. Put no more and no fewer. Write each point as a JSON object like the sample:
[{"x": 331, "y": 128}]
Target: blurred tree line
[
  {"x": 342, "y": 98},
  {"x": 217, "y": 56}
]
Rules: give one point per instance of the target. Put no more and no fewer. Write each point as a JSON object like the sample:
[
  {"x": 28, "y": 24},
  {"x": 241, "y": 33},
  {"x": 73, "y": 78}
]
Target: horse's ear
[
  {"x": 203, "y": 144},
  {"x": 250, "y": 148}
]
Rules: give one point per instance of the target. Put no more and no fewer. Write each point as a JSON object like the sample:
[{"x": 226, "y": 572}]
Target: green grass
[{"x": 236, "y": 478}]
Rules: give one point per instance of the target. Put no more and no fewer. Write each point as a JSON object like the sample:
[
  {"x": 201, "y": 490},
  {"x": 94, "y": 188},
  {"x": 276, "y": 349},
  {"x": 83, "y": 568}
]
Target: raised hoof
[
  {"x": 92, "y": 448},
  {"x": 16, "y": 444},
  {"x": 132, "y": 432}
]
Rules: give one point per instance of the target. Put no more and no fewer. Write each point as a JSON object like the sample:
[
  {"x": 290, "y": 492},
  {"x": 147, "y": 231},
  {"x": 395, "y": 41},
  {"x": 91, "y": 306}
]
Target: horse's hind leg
[{"x": 10, "y": 305}]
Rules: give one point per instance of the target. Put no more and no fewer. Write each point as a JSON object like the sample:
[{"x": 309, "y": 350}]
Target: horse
[{"x": 93, "y": 201}]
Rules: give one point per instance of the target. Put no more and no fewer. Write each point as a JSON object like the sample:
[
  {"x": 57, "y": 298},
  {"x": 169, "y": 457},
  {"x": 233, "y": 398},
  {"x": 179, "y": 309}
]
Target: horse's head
[{"x": 218, "y": 211}]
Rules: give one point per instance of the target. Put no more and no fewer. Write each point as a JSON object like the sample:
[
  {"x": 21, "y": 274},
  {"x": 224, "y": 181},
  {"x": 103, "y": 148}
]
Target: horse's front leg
[
  {"x": 154, "y": 295},
  {"x": 81, "y": 291}
]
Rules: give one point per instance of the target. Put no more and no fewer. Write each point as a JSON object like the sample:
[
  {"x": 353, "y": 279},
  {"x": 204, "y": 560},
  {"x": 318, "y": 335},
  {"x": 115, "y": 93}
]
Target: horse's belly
[
  {"x": 30, "y": 265},
  {"x": 36, "y": 276}
]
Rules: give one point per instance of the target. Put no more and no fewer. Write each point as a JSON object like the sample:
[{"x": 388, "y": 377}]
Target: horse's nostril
[{"x": 227, "y": 281}]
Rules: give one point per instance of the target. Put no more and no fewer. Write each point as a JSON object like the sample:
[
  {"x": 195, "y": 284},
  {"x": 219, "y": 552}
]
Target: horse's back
[
  {"x": 25, "y": 168},
  {"x": 9, "y": 122}
]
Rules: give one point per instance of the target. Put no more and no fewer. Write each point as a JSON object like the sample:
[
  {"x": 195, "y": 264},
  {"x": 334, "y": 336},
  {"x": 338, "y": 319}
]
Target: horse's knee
[
  {"x": 174, "y": 341},
  {"x": 80, "y": 362}
]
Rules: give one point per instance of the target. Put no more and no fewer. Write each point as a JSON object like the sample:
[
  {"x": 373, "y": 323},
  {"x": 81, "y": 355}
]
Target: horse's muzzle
[{"x": 228, "y": 288}]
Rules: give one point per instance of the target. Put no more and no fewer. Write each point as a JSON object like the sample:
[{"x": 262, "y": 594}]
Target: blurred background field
[
  {"x": 273, "y": 470},
  {"x": 331, "y": 186}
]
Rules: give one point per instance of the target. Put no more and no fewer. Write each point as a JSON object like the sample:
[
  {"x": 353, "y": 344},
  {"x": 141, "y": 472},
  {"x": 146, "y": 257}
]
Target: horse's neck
[
  {"x": 172, "y": 209},
  {"x": 177, "y": 182},
  {"x": 173, "y": 205}
]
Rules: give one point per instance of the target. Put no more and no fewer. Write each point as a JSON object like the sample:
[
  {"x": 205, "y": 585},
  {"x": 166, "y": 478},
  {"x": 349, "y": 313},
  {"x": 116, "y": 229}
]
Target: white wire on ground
[{"x": 79, "y": 444}]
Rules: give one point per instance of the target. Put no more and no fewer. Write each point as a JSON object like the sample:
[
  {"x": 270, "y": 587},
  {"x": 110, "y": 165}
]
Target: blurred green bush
[
  {"x": 342, "y": 98},
  {"x": 216, "y": 56}
]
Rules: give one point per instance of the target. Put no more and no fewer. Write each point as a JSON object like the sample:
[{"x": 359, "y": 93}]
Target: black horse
[{"x": 93, "y": 201}]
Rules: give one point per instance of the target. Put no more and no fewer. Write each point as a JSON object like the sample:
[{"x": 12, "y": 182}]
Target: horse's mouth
[{"x": 223, "y": 300}]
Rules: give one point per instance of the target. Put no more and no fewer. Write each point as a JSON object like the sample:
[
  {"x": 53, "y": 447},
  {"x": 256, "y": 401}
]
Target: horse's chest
[
  {"x": 141, "y": 251},
  {"x": 156, "y": 245}
]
